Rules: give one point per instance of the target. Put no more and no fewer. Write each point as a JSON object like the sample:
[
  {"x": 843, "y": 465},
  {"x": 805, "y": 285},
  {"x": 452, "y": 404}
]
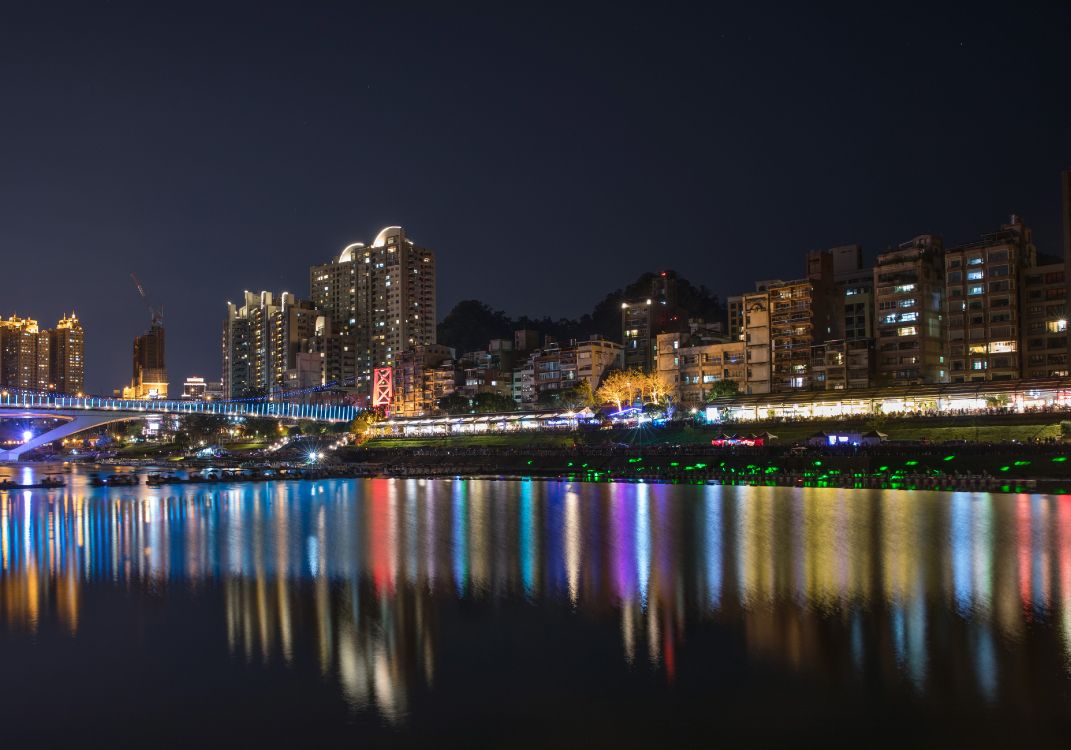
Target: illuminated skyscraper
[
  {"x": 66, "y": 355},
  {"x": 23, "y": 354},
  {"x": 379, "y": 297},
  {"x": 262, "y": 340}
]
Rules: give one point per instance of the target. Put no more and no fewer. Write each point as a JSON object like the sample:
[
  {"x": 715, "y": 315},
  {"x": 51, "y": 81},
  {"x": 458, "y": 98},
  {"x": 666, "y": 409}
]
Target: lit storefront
[
  {"x": 476, "y": 424},
  {"x": 1017, "y": 396}
]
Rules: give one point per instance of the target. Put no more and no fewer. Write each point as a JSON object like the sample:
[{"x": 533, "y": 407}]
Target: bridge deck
[{"x": 44, "y": 403}]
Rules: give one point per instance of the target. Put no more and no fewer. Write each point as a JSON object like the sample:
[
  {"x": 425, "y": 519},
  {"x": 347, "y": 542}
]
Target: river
[{"x": 468, "y": 613}]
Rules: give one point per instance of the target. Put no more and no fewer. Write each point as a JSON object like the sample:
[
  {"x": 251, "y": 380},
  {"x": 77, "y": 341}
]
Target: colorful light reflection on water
[{"x": 405, "y": 609}]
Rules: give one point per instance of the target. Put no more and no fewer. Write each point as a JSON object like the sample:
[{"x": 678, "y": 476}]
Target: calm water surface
[{"x": 476, "y": 613}]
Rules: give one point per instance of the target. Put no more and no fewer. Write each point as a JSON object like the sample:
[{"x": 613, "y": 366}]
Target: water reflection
[{"x": 920, "y": 590}]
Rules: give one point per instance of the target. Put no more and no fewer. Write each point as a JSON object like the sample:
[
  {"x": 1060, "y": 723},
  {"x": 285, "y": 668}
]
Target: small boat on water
[
  {"x": 115, "y": 480},
  {"x": 48, "y": 483}
]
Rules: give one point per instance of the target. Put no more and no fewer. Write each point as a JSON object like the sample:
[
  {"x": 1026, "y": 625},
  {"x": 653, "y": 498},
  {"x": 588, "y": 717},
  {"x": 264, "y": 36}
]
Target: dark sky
[{"x": 549, "y": 154}]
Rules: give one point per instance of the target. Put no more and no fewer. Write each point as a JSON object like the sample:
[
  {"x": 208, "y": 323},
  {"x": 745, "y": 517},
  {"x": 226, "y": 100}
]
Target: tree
[
  {"x": 262, "y": 426},
  {"x": 724, "y": 388},
  {"x": 616, "y": 389},
  {"x": 999, "y": 401},
  {"x": 362, "y": 425},
  {"x": 313, "y": 428},
  {"x": 455, "y": 403},
  {"x": 493, "y": 402},
  {"x": 580, "y": 396},
  {"x": 198, "y": 428},
  {"x": 132, "y": 429},
  {"x": 471, "y": 324},
  {"x": 657, "y": 387}
]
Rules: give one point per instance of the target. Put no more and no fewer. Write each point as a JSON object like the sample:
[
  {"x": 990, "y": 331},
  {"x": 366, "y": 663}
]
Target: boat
[
  {"x": 115, "y": 480},
  {"x": 48, "y": 483}
]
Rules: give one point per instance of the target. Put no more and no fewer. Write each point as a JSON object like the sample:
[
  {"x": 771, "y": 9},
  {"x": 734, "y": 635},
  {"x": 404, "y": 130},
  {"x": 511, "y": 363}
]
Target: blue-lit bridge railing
[
  {"x": 80, "y": 413},
  {"x": 43, "y": 403}
]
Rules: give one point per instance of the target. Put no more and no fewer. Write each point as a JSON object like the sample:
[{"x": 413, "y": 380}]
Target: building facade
[
  {"x": 638, "y": 336},
  {"x": 843, "y": 363},
  {"x": 263, "y": 340},
  {"x": 24, "y": 354},
  {"x": 66, "y": 352},
  {"x": 247, "y": 346},
  {"x": 595, "y": 357},
  {"x": 417, "y": 384},
  {"x": 983, "y": 308},
  {"x": 756, "y": 338},
  {"x": 382, "y": 295},
  {"x": 149, "y": 376},
  {"x": 1044, "y": 348},
  {"x": 801, "y": 315},
  {"x": 909, "y": 310},
  {"x": 693, "y": 367}
]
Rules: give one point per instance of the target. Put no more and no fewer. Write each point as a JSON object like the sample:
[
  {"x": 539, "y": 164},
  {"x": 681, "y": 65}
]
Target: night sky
[{"x": 549, "y": 154}]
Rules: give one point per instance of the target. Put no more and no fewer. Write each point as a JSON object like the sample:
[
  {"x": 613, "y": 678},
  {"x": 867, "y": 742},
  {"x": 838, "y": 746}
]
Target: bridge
[{"x": 86, "y": 412}]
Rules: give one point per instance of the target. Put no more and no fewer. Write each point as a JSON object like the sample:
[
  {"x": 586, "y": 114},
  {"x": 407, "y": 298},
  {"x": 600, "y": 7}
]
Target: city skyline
[{"x": 723, "y": 158}]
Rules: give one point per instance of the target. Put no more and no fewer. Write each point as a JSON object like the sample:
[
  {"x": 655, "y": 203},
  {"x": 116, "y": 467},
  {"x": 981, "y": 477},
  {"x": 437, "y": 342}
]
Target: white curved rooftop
[
  {"x": 384, "y": 233},
  {"x": 347, "y": 252}
]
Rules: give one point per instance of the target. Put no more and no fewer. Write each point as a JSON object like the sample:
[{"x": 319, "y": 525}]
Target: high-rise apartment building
[
  {"x": 66, "y": 353},
  {"x": 383, "y": 296},
  {"x": 909, "y": 305},
  {"x": 262, "y": 341},
  {"x": 293, "y": 325},
  {"x": 644, "y": 318},
  {"x": 844, "y": 358},
  {"x": 802, "y": 314},
  {"x": 24, "y": 354},
  {"x": 1065, "y": 213},
  {"x": 1044, "y": 326},
  {"x": 638, "y": 335},
  {"x": 238, "y": 352},
  {"x": 852, "y": 316},
  {"x": 756, "y": 338},
  {"x": 982, "y": 285}
]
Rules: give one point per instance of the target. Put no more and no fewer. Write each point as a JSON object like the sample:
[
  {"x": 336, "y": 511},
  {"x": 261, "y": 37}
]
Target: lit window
[
  {"x": 974, "y": 291},
  {"x": 1002, "y": 347},
  {"x": 1056, "y": 326},
  {"x": 978, "y": 364},
  {"x": 906, "y": 331},
  {"x": 975, "y": 275}
]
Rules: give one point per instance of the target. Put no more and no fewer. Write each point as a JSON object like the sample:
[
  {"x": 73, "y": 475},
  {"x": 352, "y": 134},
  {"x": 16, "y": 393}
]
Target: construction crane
[{"x": 157, "y": 314}]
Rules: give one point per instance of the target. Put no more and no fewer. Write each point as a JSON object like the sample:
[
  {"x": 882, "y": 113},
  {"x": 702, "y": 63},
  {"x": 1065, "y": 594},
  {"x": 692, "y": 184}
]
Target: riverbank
[{"x": 1007, "y": 467}]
